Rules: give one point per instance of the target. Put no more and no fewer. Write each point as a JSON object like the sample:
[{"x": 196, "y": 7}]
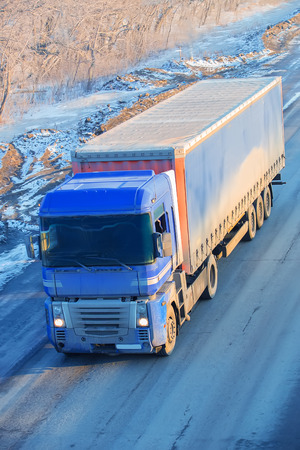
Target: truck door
[{"x": 164, "y": 223}]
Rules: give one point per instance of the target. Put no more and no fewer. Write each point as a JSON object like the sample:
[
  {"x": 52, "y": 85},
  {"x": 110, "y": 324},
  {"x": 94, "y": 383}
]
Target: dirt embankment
[
  {"x": 277, "y": 37},
  {"x": 11, "y": 164}
]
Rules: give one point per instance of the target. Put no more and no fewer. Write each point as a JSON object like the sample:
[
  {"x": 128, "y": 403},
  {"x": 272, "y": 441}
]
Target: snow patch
[{"x": 12, "y": 263}]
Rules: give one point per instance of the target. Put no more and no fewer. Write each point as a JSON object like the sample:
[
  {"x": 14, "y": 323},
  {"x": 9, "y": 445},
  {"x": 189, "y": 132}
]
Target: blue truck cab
[{"x": 108, "y": 246}]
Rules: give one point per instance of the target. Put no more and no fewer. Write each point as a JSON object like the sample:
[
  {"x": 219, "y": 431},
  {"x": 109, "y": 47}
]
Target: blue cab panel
[
  {"x": 107, "y": 282},
  {"x": 74, "y": 263}
]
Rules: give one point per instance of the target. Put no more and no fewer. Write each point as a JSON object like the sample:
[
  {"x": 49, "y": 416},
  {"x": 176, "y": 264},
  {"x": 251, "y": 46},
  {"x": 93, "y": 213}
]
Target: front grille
[
  {"x": 60, "y": 335},
  {"x": 143, "y": 335},
  {"x": 100, "y": 317}
]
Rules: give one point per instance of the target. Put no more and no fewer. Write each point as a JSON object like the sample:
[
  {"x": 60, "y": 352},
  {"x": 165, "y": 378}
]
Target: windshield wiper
[
  {"x": 110, "y": 259},
  {"x": 77, "y": 262}
]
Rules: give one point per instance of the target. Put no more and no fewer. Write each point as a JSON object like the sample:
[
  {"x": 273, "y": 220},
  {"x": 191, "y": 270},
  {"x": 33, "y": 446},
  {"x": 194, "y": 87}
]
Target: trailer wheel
[
  {"x": 168, "y": 347},
  {"x": 267, "y": 198},
  {"x": 212, "y": 278},
  {"x": 259, "y": 206},
  {"x": 251, "y": 215}
]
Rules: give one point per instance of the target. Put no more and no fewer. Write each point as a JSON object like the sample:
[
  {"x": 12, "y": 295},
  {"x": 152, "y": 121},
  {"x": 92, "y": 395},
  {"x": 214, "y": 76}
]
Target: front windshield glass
[{"x": 97, "y": 240}]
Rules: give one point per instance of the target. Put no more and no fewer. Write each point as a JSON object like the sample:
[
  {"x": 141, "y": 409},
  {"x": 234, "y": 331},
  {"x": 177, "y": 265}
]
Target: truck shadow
[{"x": 47, "y": 359}]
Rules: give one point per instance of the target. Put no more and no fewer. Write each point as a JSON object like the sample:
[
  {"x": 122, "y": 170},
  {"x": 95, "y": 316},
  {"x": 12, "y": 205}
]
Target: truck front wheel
[{"x": 171, "y": 325}]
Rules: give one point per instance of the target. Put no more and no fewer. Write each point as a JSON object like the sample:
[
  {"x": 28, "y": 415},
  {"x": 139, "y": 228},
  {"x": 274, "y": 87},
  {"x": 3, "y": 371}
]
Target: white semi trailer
[{"x": 131, "y": 242}]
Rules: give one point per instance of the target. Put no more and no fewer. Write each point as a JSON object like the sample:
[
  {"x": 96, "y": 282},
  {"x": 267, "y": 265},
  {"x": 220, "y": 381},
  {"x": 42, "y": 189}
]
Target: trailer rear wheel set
[
  {"x": 258, "y": 212},
  {"x": 259, "y": 208},
  {"x": 267, "y": 199},
  {"x": 251, "y": 216}
]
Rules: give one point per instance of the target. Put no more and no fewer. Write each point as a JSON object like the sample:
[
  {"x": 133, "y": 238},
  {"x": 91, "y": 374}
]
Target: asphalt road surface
[{"x": 233, "y": 381}]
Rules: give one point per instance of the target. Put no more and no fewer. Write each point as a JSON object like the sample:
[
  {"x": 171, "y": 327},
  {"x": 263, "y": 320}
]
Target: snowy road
[{"x": 233, "y": 381}]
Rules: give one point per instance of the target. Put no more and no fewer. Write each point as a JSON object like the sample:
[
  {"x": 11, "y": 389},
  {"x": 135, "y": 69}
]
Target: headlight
[
  {"x": 58, "y": 322},
  {"x": 58, "y": 316},
  {"x": 141, "y": 315}
]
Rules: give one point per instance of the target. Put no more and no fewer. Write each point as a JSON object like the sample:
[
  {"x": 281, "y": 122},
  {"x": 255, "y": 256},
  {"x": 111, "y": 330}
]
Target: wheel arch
[
  {"x": 272, "y": 196},
  {"x": 174, "y": 305}
]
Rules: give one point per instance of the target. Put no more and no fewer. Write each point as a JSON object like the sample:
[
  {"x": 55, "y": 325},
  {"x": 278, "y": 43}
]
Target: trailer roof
[{"x": 175, "y": 125}]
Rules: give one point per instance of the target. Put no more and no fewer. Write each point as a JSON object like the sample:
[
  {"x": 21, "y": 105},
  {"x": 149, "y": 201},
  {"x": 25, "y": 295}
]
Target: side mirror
[
  {"x": 158, "y": 248},
  {"x": 162, "y": 244},
  {"x": 29, "y": 243}
]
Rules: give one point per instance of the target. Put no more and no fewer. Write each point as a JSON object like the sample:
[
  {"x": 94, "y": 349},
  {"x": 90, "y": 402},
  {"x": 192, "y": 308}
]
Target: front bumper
[
  {"x": 99, "y": 329},
  {"x": 66, "y": 341},
  {"x": 109, "y": 326}
]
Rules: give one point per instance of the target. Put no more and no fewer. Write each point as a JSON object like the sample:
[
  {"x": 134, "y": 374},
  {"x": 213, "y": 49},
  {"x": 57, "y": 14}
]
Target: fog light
[{"x": 58, "y": 322}]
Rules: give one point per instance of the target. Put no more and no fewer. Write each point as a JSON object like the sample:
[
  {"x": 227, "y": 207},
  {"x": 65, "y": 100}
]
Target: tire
[
  {"x": 251, "y": 215},
  {"x": 267, "y": 199},
  {"x": 169, "y": 346},
  {"x": 260, "y": 213},
  {"x": 212, "y": 278}
]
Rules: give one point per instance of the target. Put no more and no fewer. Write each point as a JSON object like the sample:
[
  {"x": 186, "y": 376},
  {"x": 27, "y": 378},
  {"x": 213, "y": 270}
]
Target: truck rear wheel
[
  {"x": 168, "y": 347},
  {"x": 251, "y": 215},
  {"x": 260, "y": 213},
  {"x": 212, "y": 278},
  {"x": 267, "y": 198}
]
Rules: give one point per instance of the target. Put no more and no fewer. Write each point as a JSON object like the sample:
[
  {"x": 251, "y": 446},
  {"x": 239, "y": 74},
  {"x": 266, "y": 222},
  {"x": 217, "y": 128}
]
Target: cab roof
[{"x": 105, "y": 193}]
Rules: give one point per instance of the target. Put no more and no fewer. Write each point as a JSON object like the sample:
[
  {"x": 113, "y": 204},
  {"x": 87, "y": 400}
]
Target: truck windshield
[{"x": 97, "y": 240}]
